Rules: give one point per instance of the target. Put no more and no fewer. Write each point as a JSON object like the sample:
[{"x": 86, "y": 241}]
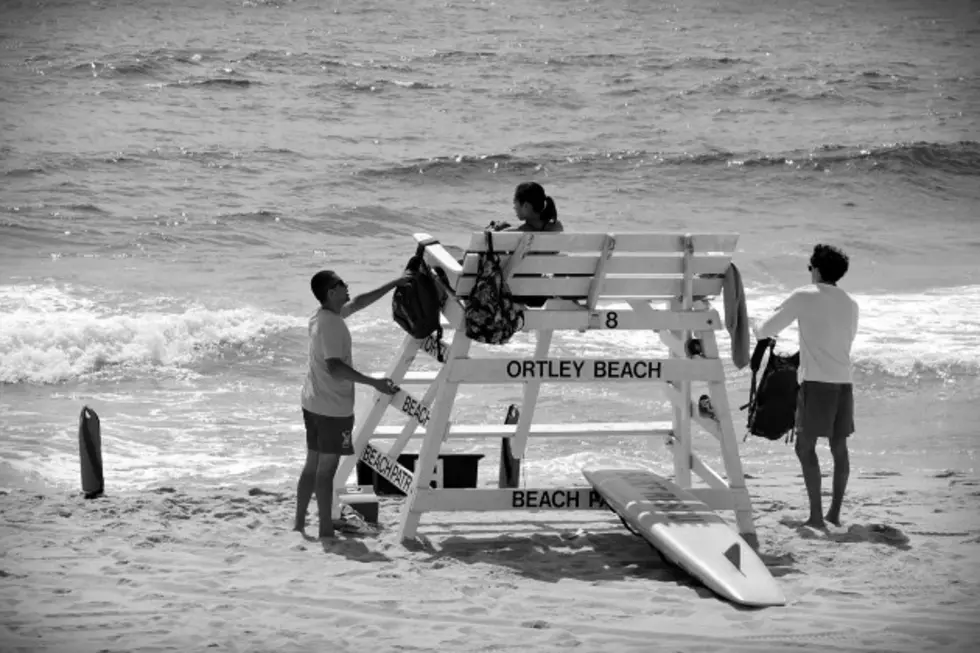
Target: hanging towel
[{"x": 736, "y": 316}]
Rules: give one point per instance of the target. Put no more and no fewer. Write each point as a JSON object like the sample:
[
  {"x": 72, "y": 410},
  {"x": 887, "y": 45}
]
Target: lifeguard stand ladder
[{"x": 657, "y": 281}]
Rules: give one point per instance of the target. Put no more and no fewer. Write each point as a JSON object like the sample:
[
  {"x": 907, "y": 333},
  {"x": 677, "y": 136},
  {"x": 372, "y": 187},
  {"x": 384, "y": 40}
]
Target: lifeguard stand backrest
[{"x": 640, "y": 265}]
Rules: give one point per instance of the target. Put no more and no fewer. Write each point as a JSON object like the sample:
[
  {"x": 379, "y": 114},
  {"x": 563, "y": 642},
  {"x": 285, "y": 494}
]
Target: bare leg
[
  {"x": 842, "y": 470},
  {"x": 326, "y": 470},
  {"x": 304, "y": 490},
  {"x": 806, "y": 451}
]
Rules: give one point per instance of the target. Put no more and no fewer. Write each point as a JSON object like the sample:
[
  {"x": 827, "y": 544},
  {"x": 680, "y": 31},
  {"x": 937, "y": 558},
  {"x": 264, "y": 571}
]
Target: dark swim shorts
[
  {"x": 329, "y": 434},
  {"x": 824, "y": 410}
]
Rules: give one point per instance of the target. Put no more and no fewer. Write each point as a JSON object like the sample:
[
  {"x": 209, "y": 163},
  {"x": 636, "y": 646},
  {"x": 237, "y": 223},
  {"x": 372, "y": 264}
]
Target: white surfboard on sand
[{"x": 689, "y": 534}]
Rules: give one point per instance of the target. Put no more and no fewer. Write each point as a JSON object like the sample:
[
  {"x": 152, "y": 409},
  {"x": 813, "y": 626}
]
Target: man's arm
[
  {"x": 854, "y": 323},
  {"x": 366, "y": 299},
  {"x": 338, "y": 369},
  {"x": 784, "y": 316}
]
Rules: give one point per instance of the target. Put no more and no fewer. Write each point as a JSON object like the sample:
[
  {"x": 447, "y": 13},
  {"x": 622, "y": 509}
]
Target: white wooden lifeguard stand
[{"x": 657, "y": 281}]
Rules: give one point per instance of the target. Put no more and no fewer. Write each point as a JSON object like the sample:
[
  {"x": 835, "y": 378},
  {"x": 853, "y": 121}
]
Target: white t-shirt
[
  {"x": 322, "y": 393},
  {"x": 828, "y": 319}
]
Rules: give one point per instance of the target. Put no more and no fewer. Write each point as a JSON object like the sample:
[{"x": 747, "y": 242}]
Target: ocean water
[{"x": 173, "y": 174}]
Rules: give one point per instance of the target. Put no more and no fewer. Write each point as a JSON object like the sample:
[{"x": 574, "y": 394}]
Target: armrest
[{"x": 437, "y": 257}]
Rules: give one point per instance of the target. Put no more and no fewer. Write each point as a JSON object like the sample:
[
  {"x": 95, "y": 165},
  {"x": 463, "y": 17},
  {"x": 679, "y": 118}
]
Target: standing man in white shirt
[
  {"x": 328, "y": 392},
  {"x": 828, "y": 319}
]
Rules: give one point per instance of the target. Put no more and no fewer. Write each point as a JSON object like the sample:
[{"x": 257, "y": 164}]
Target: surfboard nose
[{"x": 686, "y": 531}]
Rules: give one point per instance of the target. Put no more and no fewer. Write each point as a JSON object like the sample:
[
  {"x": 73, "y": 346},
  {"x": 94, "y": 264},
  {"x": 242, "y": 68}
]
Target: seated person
[
  {"x": 537, "y": 212},
  {"x": 534, "y": 208}
]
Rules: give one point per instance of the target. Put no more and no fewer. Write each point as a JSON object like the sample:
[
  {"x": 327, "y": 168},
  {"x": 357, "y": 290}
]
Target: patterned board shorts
[{"x": 329, "y": 434}]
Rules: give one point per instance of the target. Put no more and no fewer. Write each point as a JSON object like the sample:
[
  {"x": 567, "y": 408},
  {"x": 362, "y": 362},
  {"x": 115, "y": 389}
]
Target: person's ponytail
[{"x": 550, "y": 212}]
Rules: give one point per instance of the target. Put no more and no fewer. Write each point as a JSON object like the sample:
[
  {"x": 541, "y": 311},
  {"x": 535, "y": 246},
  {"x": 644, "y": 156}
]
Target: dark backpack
[
  {"x": 490, "y": 314},
  {"x": 416, "y": 306},
  {"x": 772, "y": 406}
]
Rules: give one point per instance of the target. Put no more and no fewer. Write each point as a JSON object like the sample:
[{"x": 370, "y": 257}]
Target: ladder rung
[
  {"x": 411, "y": 377},
  {"x": 542, "y": 430}
]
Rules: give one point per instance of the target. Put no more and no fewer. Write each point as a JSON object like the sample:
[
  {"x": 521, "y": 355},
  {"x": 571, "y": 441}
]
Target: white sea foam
[
  {"x": 902, "y": 334},
  {"x": 49, "y": 335}
]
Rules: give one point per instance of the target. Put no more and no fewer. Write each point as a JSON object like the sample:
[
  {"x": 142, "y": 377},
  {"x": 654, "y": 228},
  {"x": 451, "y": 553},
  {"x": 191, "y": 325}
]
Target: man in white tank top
[{"x": 828, "y": 319}]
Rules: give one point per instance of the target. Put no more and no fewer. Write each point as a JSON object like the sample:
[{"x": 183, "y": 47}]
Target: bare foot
[
  {"x": 815, "y": 523},
  {"x": 833, "y": 519}
]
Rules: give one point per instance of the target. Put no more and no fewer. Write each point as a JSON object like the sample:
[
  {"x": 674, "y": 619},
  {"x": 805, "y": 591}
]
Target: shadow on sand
[
  {"x": 584, "y": 555},
  {"x": 551, "y": 557},
  {"x": 874, "y": 533},
  {"x": 349, "y": 538}
]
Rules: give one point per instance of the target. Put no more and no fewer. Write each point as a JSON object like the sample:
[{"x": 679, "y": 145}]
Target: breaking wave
[{"x": 53, "y": 335}]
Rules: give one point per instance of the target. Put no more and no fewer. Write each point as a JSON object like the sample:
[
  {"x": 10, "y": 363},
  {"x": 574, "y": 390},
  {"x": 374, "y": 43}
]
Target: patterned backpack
[{"x": 491, "y": 315}]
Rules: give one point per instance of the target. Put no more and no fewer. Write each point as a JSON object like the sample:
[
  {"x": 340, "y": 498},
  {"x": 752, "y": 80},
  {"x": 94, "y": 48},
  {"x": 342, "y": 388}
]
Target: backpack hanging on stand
[
  {"x": 772, "y": 404},
  {"x": 416, "y": 307},
  {"x": 491, "y": 315}
]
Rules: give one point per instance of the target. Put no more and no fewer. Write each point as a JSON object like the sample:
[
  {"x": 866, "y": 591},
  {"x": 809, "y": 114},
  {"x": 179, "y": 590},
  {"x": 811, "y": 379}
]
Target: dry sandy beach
[{"x": 167, "y": 570}]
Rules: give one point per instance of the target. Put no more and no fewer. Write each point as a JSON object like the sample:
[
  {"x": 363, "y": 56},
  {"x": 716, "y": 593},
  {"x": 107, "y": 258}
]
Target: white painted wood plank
[
  {"x": 533, "y": 499},
  {"x": 616, "y": 319},
  {"x": 506, "y": 241},
  {"x": 580, "y": 430},
  {"x": 575, "y": 317},
  {"x": 619, "y": 263},
  {"x": 621, "y": 286},
  {"x": 584, "y": 370}
]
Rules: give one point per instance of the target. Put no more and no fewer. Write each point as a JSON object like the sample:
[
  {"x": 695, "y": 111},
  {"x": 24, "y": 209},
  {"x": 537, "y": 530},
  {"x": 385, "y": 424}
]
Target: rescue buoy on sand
[{"x": 90, "y": 453}]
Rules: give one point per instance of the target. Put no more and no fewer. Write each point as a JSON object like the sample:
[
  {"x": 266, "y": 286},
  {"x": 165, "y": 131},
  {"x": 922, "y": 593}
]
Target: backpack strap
[
  {"x": 493, "y": 259},
  {"x": 755, "y": 364},
  {"x": 760, "y": 350},
  {"x": 420, "y": 254},
  {"x": 420, "y": 248}
]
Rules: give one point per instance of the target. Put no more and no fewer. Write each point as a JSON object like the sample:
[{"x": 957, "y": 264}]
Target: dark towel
[{"x": 736, "y": 316}]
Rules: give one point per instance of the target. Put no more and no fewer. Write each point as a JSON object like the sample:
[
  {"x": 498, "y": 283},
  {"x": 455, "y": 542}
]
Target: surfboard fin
[{"x": 734, "y": 555}]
